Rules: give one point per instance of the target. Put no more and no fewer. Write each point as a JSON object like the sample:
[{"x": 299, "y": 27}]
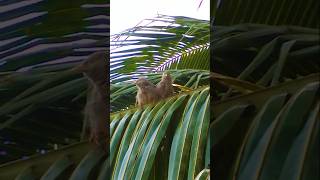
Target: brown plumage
[
  {"x": 95, "y": 70},
  {"x": 147, "y": 92},
  {"x": 165, "y": 87}
]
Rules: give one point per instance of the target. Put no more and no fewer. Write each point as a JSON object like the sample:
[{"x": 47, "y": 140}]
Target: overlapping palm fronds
[
  {"x": 49, "y": 36},
  {"x": 171, "y": 135},
  {"x": 264, "y": 55},
  {"x": 40, "y": 102},
  {"x": 271, "y": 12},
  {"x": 263, "y": 122},
  {"x": 268, "y": 133},
  {"x": 160, "y": 43},
  {"x": 161, "y": 136},
  {"x": 181, "y": 45}
]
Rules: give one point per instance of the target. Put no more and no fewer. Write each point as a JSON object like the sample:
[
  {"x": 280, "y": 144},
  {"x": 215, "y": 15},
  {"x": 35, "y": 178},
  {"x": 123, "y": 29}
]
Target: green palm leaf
[
  {"x": 138, "y": 150},
  {"x": 270, "y": 12},
  {"x": 160, "y": 43}
]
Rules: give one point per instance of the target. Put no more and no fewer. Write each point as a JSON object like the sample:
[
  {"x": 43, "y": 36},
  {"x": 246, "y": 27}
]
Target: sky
[{"x": 126, "y": 14}]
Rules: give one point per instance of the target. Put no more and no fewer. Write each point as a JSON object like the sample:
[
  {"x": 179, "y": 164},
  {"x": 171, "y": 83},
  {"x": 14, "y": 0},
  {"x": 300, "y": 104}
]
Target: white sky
[{"x": 126, "y": 14}]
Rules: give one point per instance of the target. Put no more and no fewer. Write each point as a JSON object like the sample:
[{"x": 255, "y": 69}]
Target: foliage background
[
  {"x": 41, "y": 104},
  {"x": 272, "y": 48},
  {"x": 264, "y": 122}
]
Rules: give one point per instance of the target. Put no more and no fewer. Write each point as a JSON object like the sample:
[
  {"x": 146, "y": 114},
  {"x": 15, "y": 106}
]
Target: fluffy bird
[
  {"x": 165, "y": 87},
  {"x": 147, "y": 92},
  {"x": 96, "y": 114}
]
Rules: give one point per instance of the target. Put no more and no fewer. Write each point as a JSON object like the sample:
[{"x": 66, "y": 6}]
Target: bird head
[
  {"x": 142, "y": 82},
  {"x": 95, "y": 62},
  {"x": 166, "y": 76},
  {"x": 95, "y": 67}
]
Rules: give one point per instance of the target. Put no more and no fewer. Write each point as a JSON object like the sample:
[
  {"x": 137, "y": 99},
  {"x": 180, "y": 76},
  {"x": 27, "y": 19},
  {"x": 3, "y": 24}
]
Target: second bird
[{"x": 165, "y": 87}]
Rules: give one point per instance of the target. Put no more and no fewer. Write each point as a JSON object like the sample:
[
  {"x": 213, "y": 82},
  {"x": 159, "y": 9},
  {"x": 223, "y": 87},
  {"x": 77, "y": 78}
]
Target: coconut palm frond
[
  {"x": 157, "y": 43},
  {"x": 123, "y": 94},
  {"x": 272, "y": 12},
  {"x": 165, "y": 130}
]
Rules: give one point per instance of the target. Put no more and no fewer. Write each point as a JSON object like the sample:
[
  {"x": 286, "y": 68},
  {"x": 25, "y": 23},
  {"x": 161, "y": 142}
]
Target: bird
[
  {"x": 150, "y": 93},
  {"x": 96, "y": 113},
  {"x": 165, "y": 87},
  {"x": 147, "y": 92}
]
